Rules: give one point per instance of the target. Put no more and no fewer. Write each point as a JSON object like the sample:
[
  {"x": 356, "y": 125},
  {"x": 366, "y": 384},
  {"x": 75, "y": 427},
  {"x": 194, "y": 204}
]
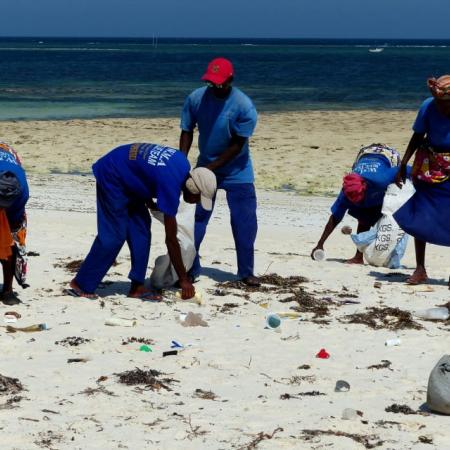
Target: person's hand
[
  {"x": 317, "y": 247},
  {"x": 187, "y": 289},
  {"x": 401, "y": 176}
]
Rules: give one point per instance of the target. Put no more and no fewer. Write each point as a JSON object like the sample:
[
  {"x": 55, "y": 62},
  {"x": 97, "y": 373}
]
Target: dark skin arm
[
  {"x": 186, "y": 138},
  {"x": 329, "y": 228},
  {"x": 235, "y": 147},
  {"x": 415, "y": 142},
  {"x": 173, "y": 247}
]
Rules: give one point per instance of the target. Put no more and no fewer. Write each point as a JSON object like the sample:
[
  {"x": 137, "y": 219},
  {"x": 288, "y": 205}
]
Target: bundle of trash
[{"x": 385, "y": 243}]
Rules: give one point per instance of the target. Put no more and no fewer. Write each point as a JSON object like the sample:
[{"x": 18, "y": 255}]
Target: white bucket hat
[{"x": 203, "y": 181}]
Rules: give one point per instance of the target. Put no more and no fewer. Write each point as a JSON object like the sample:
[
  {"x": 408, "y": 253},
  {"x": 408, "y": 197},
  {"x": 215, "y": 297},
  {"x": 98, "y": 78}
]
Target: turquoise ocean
[{"x": 49, "y": 78}]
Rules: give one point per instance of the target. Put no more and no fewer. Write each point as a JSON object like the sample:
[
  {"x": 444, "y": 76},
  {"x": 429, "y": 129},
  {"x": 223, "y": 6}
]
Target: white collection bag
[
  {"x": 385, "y": 243},
  {"x": 164, "y": 274}
]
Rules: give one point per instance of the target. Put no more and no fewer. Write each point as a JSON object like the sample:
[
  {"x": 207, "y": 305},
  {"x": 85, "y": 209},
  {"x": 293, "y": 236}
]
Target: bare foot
[
  {"x": 355, "y": 260},
  {"x": 419, "y": 276},
  {"x": 144, "y": 293},
  {"x": 76, "y": 291}
]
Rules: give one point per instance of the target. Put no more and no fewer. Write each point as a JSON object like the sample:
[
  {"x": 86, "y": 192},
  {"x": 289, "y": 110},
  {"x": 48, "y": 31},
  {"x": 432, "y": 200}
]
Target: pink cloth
[{"x": 354, "y": 187}]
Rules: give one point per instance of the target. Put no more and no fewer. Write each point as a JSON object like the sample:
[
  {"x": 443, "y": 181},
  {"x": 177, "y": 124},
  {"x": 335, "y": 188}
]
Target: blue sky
[{"x": 227, "y": 18}]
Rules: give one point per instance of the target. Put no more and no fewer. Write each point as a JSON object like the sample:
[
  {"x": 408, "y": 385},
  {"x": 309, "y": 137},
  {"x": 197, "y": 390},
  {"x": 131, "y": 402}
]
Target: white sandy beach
[{"x": 250, "y": 369}]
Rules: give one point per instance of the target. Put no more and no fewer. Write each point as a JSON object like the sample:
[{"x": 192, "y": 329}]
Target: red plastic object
[{"x": 323, "y": 354}]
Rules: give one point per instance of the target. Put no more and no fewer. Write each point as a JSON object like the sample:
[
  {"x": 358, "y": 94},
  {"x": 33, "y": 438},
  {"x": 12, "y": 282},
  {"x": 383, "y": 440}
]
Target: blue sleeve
[
  {"x": 188, "y": 120},
  {"x": 245, "y": 123},
  {"x": 421, "y": 122},
  {"x": 340, "y": 207}
]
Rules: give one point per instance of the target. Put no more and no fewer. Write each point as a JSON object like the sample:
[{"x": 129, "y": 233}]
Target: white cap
[{"x": 203, "y": 181}]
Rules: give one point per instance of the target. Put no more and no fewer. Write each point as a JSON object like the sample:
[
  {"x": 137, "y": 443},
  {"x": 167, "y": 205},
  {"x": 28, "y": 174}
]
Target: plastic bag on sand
[
  {"x": 164, "y": 274},
  {"x": 385, "y": 243},
  {"x": 438, "y": 394},
  {"x": 193, "y": 320}
]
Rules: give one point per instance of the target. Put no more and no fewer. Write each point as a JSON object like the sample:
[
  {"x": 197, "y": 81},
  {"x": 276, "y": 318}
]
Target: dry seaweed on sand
[
  {"x": 11, "y": 402},
  {"x": 425, "y": 440},
  {"x": 227, "y": 307},
  {"x": 133, "y": 339},
  {"x": 69, "y": 266},
  {"x": 72, "y": 341},
  {"x": 151, "y": 379},
  {"x": 378, "y": 318},
  {"x": 301, "y": 394},
  {"x": 400, "y": 409},
  {"x": 10, "y": 386},
  {"x": 385, "y": 364},
  {"x": 307, "y": 303},
  {"x": 205, "y": 395},
  {"x": 369, "y": 441},
  {"x": 261, "y": 436},
  {"x": 269, "y": 283}
]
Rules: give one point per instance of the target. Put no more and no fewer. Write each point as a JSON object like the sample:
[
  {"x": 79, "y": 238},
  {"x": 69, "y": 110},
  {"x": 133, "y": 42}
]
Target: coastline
[{"x": 305, "y": 152}]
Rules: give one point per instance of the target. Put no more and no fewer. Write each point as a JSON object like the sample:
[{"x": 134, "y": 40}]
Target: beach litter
[
  {"x": 438, "y": 392},
  {"x": 170, "y": 353},
  {"x": 175, "y": 295},
  {"x": 351, "y": 414},
  {"x": 342, "y": 386},
  {"x": 440, "y": 313},
  {"x": 29, "y": 329},
  {"x": 192, "y": 320},
  {"x": 273, "y": 321},
  {"x": 318, "y": 255},
  {"x": 145, "y": 348},
  {"x": 323, "y": 354},
  {"x": 11, "y": 316},
  {"x": 394, "y": 342},
  {"x": 77, "y": 360},
  {"x": 117, "y": 322}
]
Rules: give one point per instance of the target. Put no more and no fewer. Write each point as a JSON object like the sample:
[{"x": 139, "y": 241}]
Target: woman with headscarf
[
  {"x": 426, "y": 216},
  {"x": 362, "y": 193},
  {"x": 13, "y": 197}
]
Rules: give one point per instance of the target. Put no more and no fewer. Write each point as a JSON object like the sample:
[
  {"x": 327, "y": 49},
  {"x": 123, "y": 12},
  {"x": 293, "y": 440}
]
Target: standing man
[
  {"x": 130, "y": 179},
  {"x": 226, "y": 118}
]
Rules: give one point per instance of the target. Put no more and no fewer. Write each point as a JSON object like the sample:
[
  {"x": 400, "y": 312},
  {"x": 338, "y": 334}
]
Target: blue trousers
[
  {"x": 119, "y": 219},
  {"x": 241, "y": 199}
]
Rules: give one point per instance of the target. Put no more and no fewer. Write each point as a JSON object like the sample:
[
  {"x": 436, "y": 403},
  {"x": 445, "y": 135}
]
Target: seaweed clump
[
  {"x": 151, "y": 379},
  {"x": 388, "y": 318}
]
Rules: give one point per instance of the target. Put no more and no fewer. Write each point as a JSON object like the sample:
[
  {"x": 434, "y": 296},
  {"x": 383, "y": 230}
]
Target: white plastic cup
[
  {"x": 273, "y": 321},
  {"x": 117, "y": 322},
  {"x": 319, "y": 255},
  {"x": 393, "y": 342}
]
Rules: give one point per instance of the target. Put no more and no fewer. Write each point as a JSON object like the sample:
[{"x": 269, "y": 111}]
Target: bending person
[
  {"x": 13, "y": 198},
  {"x": 129, "y": 178},
  {"x": 362, "y": 193},
  {"x": 425, "y": 216}
]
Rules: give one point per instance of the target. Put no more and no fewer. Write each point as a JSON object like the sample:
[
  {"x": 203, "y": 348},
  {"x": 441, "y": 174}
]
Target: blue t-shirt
[
  {"x": 146, "y": 171},
  {"x": 379, "y": 174},
  {"x": 431, "y": 121},
  {"x": 217, "y": 121},
  {"x": 8, "y": 163}
]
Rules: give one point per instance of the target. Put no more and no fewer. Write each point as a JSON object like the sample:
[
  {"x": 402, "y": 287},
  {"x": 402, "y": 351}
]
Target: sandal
[{"x": 74, "y": 292}]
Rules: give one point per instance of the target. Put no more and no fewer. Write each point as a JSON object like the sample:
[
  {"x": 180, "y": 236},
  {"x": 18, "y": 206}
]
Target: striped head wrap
[{"x": 440, "y": 87}]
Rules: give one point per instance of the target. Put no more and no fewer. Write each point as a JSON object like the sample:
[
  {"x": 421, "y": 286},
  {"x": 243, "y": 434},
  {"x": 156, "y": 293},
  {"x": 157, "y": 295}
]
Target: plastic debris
[
  {"x": 318, "y": 255},
  {"x": 342, "y": 386},
  {"x": 117, "y": 322},
  {"x": 393, "y": 342},
  {"x": 176, "y": 344},
  {"x": 170, "y": 353},
  {"x": 30, "y": 329},
  {"x": 438, "y": 393},
  {"x": 323, "y": 354},
  {"x": 273, "y": 321},
  {"x": 193, "y": 320},
  {"x": 145, "y": 348},
  {"x": 440, "y": 313},
  {"x": 350, "y": 414}
]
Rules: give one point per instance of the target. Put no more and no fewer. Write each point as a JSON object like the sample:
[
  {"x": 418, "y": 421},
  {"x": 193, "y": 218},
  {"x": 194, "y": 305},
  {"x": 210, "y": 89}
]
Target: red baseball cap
[{"x": 218, "y": 71}]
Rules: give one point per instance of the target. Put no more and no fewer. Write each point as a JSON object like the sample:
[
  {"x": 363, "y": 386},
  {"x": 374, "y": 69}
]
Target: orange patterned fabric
[{"x": 6, "y": 240}]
